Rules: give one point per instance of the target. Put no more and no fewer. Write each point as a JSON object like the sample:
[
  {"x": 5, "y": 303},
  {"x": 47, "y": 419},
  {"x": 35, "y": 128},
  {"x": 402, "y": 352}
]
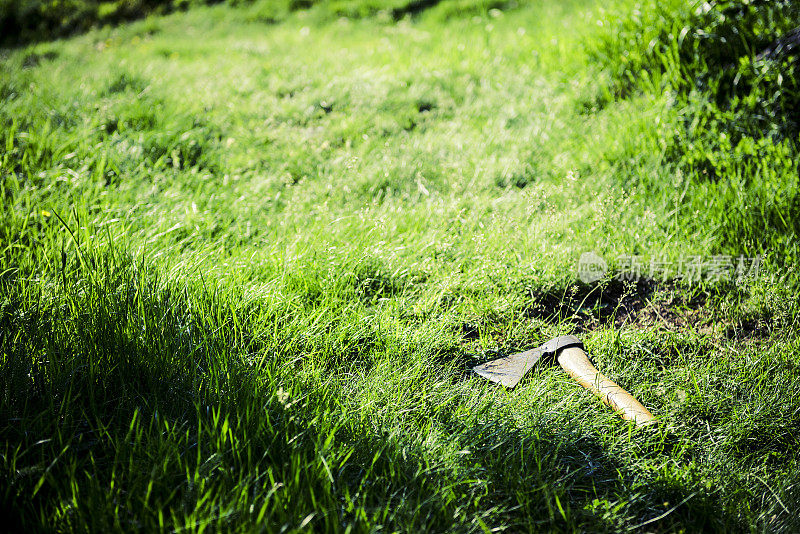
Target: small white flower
[{"x": 283, "y": 396}]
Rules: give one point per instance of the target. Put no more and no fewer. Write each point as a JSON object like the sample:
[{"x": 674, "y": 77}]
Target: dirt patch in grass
[
  {"x": 669, "y": 310},
  {"x": 646, "y": 303},
  {"x": 656, "y": 306}
]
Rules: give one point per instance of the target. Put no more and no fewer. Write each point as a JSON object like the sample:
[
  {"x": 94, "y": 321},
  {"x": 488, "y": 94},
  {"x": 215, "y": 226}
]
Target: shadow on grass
[
  {"x": 124, "y": 398},
  {"x": 524, "y": 480}
]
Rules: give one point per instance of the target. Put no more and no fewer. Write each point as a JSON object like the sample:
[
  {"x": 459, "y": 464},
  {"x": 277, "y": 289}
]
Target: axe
[{"x": 568, "y": 351}]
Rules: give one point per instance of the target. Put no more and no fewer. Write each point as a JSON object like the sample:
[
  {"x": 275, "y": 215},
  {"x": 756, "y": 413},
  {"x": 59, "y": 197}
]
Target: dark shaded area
[
  {"x": 26, "y": 21},
  {"x": 413, "y": 8},
  {"x": 34, "y": 60},
  {"x": 590, "y": 306}
]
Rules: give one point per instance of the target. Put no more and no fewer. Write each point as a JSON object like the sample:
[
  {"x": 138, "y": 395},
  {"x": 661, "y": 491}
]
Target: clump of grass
[
  {"x": 730, "y": 49},
  {"x": 732, "y": 62},
  {"x": 732, "y": 74},
  {"x": 125, "y": 81}
]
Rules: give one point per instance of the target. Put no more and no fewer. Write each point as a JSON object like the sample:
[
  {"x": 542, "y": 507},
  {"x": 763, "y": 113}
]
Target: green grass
[{"x": 249, "y": 260}]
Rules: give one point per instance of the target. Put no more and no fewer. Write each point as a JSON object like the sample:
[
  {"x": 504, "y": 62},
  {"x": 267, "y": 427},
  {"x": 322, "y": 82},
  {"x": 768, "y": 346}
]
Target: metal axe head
[{"x": 510, "y": 369}]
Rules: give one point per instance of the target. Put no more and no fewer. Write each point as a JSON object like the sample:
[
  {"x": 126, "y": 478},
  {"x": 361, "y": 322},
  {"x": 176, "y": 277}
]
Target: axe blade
[{"x": 509, "y": 370}]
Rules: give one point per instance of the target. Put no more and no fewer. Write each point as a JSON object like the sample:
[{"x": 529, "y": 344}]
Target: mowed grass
[{"x": 248, "y": 263}]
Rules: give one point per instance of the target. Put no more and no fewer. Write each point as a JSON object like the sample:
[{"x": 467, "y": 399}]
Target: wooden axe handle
[{"x": 577, "y": 365}]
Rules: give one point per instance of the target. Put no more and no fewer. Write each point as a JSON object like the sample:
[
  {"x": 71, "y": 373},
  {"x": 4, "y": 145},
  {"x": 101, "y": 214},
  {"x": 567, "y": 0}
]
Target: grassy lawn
[{"x": 250, "y": 255}]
